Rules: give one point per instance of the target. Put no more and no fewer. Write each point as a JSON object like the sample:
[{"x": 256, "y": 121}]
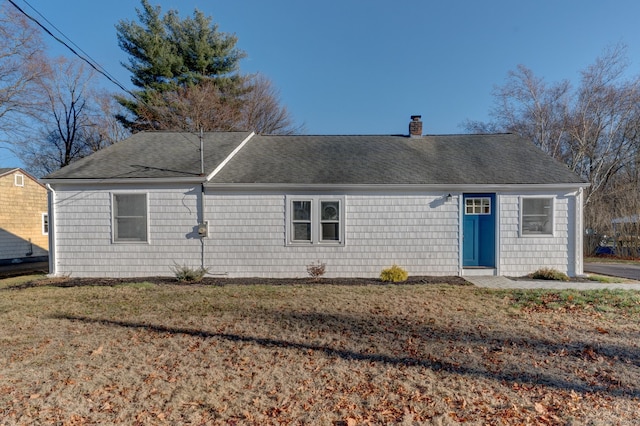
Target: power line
[
  {"x": 97, "y": 67},
  {"x": 68, "y": 39},
  {"x": 88, "y": 59}
]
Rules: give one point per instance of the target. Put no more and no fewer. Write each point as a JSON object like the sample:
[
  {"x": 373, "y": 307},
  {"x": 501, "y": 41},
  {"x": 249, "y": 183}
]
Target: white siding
[
  {"x": 521, "y": 255},
  {"x": 84, "y": 241},
  {"x": 417, "y": 232}
]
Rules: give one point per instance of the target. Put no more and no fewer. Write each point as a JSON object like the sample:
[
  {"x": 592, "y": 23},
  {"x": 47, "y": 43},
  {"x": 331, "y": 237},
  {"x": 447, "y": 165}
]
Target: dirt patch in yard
[{"x": 159, "y": 353}]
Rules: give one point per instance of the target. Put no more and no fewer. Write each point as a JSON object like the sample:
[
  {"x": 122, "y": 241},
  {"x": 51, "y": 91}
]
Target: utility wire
[
  {"x": 98, "y": 68},
  {"x": 70, "y": 41},
  {"x": 92, "y": 63}
]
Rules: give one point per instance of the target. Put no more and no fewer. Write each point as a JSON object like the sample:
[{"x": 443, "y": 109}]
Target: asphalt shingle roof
[
  {"x": 154, "y": 155},
  {"x": 358, "y": 159},
  {"x": 5, "y": 170},
  {"x": 450, "y": 159}
]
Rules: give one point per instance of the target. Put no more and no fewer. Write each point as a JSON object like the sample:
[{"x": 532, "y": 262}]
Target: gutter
[
  {"x": 132, "y": 181},
  {"x": 396, "y": 187}
]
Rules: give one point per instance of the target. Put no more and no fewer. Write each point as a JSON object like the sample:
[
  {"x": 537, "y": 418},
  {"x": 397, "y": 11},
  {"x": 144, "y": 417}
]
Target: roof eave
[
  {"x": 163, "y": 180},
  {"x": 397, "y": 187}
]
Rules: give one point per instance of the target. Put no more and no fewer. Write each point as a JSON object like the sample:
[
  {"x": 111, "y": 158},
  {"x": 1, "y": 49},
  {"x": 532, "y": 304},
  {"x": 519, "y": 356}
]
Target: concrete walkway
[{"x": 504, "y": 282}]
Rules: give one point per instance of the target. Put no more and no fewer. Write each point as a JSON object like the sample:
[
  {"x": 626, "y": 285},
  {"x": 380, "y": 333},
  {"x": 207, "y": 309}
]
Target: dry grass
[{"x": 143, "y": 353}]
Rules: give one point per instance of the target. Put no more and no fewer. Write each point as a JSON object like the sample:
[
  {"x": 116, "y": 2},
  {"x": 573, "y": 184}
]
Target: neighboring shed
[
  {"x": 24, "y": 220},
  {"x": 268, "y": 206}
]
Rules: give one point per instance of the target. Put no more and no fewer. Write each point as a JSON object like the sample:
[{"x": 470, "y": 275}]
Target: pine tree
[{"x": 169, "y": 57}]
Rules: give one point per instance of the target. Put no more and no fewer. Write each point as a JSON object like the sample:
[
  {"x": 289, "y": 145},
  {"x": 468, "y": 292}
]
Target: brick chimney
[{"x": 415, "y": 126}]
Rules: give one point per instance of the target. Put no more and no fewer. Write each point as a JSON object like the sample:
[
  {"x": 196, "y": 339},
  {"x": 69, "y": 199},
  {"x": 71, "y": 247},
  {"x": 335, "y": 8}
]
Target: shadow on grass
[{"x": 539, "y": 376}]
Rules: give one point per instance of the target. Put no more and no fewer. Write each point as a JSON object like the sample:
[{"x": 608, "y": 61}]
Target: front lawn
[{"x": 143, "y": 353}]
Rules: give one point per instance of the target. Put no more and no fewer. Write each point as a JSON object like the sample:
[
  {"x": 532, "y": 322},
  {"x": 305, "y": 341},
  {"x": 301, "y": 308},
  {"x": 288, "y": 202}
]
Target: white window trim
[
  {"x": 316, "y": 222},
  {"x": 18, "y": 179},
  {"x": 482, "y": 199},
  {"x": 45, "y": 231},
  {"x": 113, "y": 218},
  {"x": 553, "y": 216}
]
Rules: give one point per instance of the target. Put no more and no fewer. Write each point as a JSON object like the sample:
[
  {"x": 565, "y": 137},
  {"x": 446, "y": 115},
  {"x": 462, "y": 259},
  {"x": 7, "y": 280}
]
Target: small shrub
[
  {"x": 186, "y": 273},
  {"x": 394, "y": 274},
  {"x": 317, "y": 269},
  {"x": 549, "y": 274}
]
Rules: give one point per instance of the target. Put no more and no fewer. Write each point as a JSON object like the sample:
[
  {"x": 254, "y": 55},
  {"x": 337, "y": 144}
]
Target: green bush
[
  {"x": 394, "y": 274},
  {"x": 549, "y": 274},
  {"x": 185, "y": 273}
]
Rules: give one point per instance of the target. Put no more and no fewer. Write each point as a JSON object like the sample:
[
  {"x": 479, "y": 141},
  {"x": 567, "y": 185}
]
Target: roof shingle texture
[
  {"x": 451, "y": 159},
  {"x": 359, "y": 159},
  {"x": 154, "y": 155}
]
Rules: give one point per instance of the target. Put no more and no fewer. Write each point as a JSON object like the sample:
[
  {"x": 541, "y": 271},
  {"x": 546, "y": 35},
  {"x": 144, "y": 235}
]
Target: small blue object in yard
[{"x": 604, "y": 250}]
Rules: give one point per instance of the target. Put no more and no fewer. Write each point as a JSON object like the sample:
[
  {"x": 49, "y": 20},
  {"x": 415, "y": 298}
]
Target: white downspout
[
  {"x": 51, "y": 201},
  {"x": 579, "y": 250}
]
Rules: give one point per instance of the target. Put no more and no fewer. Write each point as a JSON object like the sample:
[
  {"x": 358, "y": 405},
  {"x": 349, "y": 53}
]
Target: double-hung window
[
  {"x": 536, "y": 216},
  {"x": 130, "y": 218},
  {"x": 315, "y": 220}
]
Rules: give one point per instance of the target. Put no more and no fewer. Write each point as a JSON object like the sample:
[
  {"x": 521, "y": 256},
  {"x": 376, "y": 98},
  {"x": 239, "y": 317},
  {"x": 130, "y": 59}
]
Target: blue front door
[{"x": 479, "y": 230}]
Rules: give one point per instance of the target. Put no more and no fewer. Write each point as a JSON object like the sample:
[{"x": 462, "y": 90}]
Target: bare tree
[
  {"x": 594, "y": 129},
  {"x": 22, "y": 64},
  {"x": 262, "y": 111},
  {"x": 604, "y": 124},
  {"x": 108, "y": 127},
  {"x": 527, "y": 106},
  {"x": 72, "y": 124},
  {"x": 190, "y": 108}
]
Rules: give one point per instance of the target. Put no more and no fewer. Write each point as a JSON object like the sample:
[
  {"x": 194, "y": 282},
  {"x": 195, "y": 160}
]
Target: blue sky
[{"x": 363, "y": 67}]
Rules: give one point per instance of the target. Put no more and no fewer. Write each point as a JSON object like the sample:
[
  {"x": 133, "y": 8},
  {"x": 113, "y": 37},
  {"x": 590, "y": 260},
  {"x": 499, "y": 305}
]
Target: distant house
[
  {"x": 24, "y": 218},
  {"x": 268, "y": 206}
]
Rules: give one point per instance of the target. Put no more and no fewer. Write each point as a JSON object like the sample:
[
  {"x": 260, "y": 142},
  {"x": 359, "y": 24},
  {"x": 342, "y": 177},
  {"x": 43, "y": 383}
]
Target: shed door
[{"x": 479, "y": 230}]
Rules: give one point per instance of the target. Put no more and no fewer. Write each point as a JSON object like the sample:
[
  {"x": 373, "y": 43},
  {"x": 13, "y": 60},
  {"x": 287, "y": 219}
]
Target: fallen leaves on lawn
[{"x": 328, "y": 355}]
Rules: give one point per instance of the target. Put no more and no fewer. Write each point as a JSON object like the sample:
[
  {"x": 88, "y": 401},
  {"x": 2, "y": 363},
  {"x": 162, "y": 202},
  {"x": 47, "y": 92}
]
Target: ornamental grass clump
[
  {"x": 394, "y": 274},
  {"x": 549, "y": 274},
  {"x": 186, "y": 273}
]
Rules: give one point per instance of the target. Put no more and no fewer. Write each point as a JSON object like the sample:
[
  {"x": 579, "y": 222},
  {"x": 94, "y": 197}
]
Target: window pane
[
  {"x": 537, "y": 216},
  {"x": 302, "y": 210},
  {"x": 130, "y": 217},
  {"x": 331, "y": 232},
  {"x": 302, "y": 231},
  {"x": 130, "y": 228},
  {"x": 330, "y": 210},
  {"x": 478, "y": 206},
  {"x": 131, "y": 204}
]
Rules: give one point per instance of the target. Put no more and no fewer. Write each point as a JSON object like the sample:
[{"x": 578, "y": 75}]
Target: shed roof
[{"x": 327, "y": 159}]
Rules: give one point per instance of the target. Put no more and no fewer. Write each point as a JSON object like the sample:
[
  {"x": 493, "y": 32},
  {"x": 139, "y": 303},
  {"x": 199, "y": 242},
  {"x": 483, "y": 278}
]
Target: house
[
  {"x": 24, "y": 219},
  {"x": 247, "y": 205}
]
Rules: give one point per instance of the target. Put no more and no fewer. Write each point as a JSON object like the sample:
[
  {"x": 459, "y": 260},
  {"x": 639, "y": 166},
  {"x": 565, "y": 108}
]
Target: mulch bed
[{"x": 220, "y": 281}]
